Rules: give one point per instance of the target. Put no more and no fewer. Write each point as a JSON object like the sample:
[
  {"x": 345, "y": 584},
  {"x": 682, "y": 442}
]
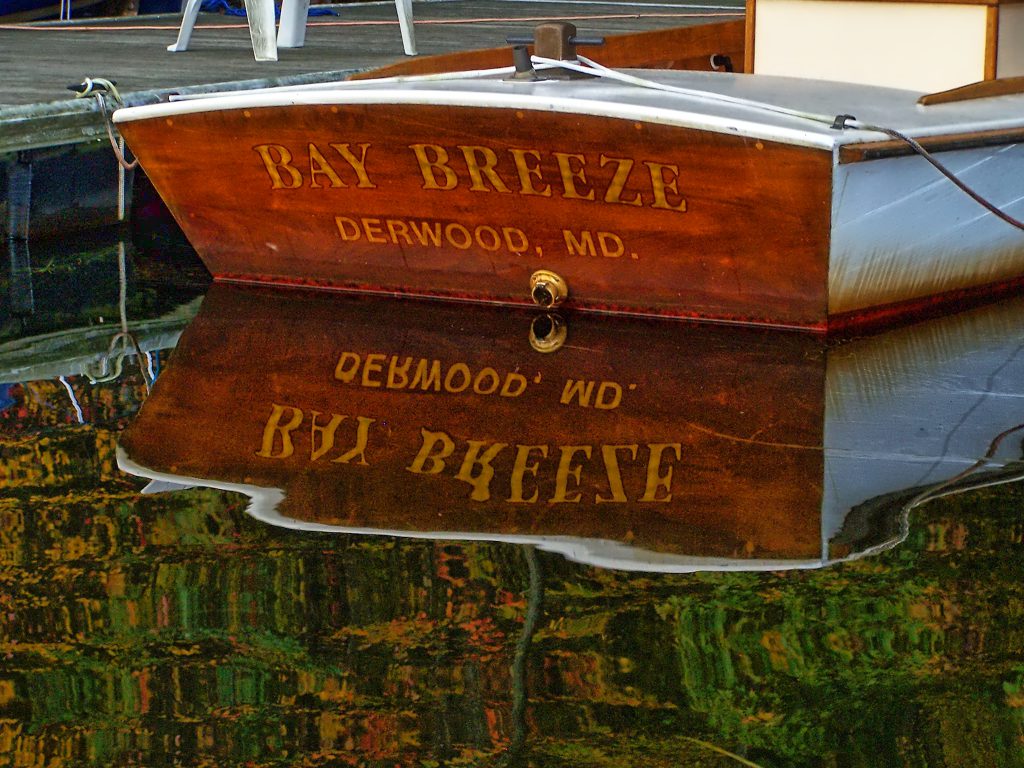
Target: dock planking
[
  {"x": 39, "y": 61},
  {"x": 56, "y": 167}
]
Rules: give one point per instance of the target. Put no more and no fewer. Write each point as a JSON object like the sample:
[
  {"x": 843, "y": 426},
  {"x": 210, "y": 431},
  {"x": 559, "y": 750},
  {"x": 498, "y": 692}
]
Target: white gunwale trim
[
  {"x": 586, "y": 551},
  {"x": 447, "y": 98}
]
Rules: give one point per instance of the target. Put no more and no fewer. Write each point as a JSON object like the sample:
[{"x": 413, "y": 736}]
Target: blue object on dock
[{"x": 223, "y": 6}]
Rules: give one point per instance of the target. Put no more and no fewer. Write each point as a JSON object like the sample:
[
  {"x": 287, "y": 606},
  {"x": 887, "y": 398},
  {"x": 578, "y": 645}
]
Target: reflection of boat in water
[
  {"x": 753, "y": 198},
  {"x": 637, "y": 444}
]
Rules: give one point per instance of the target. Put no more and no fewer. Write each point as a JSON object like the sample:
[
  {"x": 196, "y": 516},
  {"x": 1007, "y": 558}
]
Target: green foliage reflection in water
[{"x": 143, "y": 630}]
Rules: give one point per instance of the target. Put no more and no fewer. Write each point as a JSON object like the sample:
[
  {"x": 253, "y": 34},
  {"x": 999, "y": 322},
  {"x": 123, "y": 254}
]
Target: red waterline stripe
[{"x": 383, "y": 22}]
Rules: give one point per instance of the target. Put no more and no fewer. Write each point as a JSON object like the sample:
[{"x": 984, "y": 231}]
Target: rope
[
  {"x": 124, "y": 336},
  {"x": 839, "y": 122},
  {"x": 948, "y": 487},
  {"x": 99, "y": 87},
  {"x": 74, "y": 400},
  {"x": 121, "y": 159},
  {"x": 971, "y": 193},
  {"x": 591, "y": 67}
]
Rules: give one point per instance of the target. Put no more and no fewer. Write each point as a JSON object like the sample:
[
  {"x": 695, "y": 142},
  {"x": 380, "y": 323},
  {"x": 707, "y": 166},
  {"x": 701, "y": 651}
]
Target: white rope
[
  {"x": 469, "y": 74},
  {"x": 74, "y": 399},
  {"x": 839, "y": 122},
  {"x": 98, "y": 87},
  {"x": 591, "y": 67}
]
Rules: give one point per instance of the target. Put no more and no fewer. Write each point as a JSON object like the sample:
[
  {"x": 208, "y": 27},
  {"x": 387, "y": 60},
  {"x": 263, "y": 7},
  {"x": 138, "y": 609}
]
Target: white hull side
[
  {"x": 902, "y": 231},
  {"x": 916, "y": 406}
]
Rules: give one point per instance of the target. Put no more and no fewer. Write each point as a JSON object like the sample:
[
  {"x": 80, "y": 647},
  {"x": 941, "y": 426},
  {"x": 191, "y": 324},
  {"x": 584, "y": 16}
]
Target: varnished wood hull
[
  {"x": 468, "y": 203},
  {"x": 640, "y": 202},
  {"x": 639, "y": 443},
  {"x": 467, "y": 432}
]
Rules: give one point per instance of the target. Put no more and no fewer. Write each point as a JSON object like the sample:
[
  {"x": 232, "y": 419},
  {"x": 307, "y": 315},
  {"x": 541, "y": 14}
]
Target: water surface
[{"x": 835, "y": 579}]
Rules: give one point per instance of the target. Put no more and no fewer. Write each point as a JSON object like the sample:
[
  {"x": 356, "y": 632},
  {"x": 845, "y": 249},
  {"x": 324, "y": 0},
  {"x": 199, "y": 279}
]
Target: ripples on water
[{"x": 174, "y": 627}]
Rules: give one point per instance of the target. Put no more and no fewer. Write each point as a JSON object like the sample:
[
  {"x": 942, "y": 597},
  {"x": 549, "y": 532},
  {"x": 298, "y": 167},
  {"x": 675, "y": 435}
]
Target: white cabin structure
[{"x": 909, "y": 44}]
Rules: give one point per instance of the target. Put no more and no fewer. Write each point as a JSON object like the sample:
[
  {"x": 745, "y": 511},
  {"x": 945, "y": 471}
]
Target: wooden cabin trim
[
  {"x": 749, "y": 37},
  {"x": 876, "y": 150},
  {"x": 991, "y": 41},
  {"x": 674, "y": 48},
  {"x": 1007, "y": 86}
]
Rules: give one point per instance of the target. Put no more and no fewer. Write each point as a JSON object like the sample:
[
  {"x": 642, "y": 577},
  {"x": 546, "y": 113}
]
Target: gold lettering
[
  {"x": 374, "y": 364},
  {"x": 600, "y": 402},
  {"x": 430, "y": 440},
  {"x": 611, "y": 245},
  {"x": 482, "y": 481},
  {"x": 359, "y": 449},
  {"x": 580, "y": 390},
  {"x": 346, "y": 374},
  {"x": 490, "y": 373},
  {"x": 571, "y": 173},
  {"x": 425, "y": 234},
  {"x": 424, "y": 380},
  {"x": 274, "y": 428},
  {"x": 517, "y": 379},
  {"x": 463, "y": 370},
  {"x": 481, "y": 162},
  {"x": 528, "y": 172},
  {"x": 611, "y": 466},
  {"x": 660, "y": 183},
  {"x": 622, "y": 169},
  {"x": 430, "y": 167},
  {"x": 521, "y": 243},
  {"x": 347, "y": 228},
  {"x": 275, "y": 165},
  {"x": 358, "y": 163},
  {"x": 318, "y": 166},
  {"x": 567, "y": 469},
  {"x": 520, "y": 468},
  {"x": 493, "y": 241},
  {"x": 655, "y": 480},
  {"x": 374, "y": 230},
  {"x": 581, "y": 246},
  {"x": 395, "y": 371},
  {"x": 466, "y": 238},
  {"x": 326, "y": 435},
  {"x": 398, "y": 228}
]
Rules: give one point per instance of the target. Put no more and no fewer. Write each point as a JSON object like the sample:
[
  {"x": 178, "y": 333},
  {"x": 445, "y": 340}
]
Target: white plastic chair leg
[
  {"x": 188, "y": 21},
  {"x": 291, "y": 32},
  {"x": 404, "y": 8},
  {"x": 262, "y": 29}
]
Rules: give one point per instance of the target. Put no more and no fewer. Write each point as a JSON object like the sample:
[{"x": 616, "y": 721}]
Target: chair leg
[
  {"x": 188, "y": 21},
  {"x": 404, "y": 8},
  {"x": 262, "y": 29},
  {"x": 291, "y": 32}
]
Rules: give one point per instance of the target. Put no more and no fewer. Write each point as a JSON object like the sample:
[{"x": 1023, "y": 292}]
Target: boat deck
[{"x": 788, "y": 110}]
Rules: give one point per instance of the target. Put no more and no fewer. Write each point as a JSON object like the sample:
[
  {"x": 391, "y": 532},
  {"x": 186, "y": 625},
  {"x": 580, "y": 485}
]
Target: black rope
[{"x": 914, "y": 145}]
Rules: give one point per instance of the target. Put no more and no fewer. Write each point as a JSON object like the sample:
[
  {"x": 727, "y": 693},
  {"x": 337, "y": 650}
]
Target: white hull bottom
[{"x": 902, "y": 232}]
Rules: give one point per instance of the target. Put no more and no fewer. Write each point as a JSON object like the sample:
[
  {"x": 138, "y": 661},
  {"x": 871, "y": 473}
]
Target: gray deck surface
[{"x": 39, "y": 61}]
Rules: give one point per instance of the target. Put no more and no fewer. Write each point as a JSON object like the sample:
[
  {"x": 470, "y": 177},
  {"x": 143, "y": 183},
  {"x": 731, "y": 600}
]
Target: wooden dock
[
  {"x": 39, "y": 61},
  {"x": 42, "y": 122}
]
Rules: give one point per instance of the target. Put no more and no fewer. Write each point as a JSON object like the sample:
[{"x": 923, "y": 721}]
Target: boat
[
  {"x": 628, "y": 443},
  {"x": 766, "y": 197}
]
